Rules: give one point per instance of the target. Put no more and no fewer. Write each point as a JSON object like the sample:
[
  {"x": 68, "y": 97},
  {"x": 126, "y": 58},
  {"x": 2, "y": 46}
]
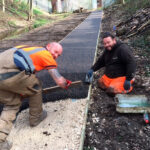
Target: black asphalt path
[
  {"x": 79, "y": 50},
  {"x": 78, "y": 56}
]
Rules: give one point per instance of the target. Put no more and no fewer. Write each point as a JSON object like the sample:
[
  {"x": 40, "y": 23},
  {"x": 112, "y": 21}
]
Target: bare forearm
[{"x": 57, "y": 77}]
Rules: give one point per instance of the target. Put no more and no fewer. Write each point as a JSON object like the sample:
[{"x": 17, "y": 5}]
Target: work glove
[
  {"x": 89, "y": 76},
  {"x": 127, "y": 85},
  {"x": 114, "y": 28},
  {"x": 68, "y": 83}
]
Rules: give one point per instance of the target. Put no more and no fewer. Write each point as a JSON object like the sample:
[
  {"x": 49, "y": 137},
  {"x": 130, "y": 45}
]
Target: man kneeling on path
[
  {"x": 119, "y": 66},
  {"x": 18, "y": 80}
]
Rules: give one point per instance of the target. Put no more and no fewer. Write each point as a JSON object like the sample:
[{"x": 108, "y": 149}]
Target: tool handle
[
  {"x": 56, "y": 88},
  {"x": 68, "y": 83},
  {"x": 146, "y": 118}
]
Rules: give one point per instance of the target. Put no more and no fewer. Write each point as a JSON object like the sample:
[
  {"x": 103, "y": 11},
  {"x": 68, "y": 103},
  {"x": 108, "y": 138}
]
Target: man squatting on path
[
  {"x": 119, "y": 64},
  {"x": 18, "y": 80}
]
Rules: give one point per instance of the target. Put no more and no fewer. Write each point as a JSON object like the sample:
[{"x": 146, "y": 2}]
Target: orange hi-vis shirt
[{"x": 41, "y": 59}]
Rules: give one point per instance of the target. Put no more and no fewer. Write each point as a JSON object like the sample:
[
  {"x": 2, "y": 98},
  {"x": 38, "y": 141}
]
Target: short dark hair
[{"x": 107, "y": 34}]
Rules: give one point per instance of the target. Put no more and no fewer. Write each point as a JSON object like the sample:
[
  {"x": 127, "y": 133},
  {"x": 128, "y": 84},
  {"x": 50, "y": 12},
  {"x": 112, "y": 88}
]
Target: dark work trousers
[{"x": 12, "y": 90}]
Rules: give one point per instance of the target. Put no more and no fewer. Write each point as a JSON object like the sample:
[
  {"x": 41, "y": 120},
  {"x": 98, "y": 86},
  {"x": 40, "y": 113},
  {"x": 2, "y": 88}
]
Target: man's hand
[
  {"x": 90, "y": 73},
  {"x": 127, "y": 85},
  {"x": 89, "y": 76},
  {"x": 68, "y": 83},
  {"x": 59, "y": 79},
  {"x": 63, "y": 83}
]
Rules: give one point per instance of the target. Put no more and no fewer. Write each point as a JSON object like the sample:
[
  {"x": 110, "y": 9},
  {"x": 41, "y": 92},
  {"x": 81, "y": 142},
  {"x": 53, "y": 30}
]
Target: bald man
[{"x": 18, "y": 67}]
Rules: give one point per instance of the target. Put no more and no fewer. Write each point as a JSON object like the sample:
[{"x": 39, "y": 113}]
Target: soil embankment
[{"x": 106, "y": 128}]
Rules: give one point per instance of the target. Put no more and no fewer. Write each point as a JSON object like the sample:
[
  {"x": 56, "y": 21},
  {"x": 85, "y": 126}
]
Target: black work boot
[
  {"x": 36, "y": 121},
  {"x": 5, "y": 145}
]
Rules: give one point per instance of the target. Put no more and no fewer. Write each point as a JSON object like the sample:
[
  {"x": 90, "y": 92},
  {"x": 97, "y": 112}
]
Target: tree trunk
[
  {"x": 123, "y": 2},
  {"x": 59, "y": 6},
  {"x": 3, "y": 5},
  {"x": 66, "y": 5},
  {"x": 99, "y": 3},
  {"x": 30, "y": 10},
  {"x": 53, "y": 5}
]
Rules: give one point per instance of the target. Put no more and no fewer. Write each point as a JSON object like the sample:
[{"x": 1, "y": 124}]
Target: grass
[
  {"x": 20, "y": 8},
  {"x": 40, "y": 22},
  {"x": 11, "y": 23},
  {"x": 131, "y": 6},
  {"x": 88, "y": 148},
  {"x": 18, "y": 14},
  {"x": 37, "y": 12},
  {"x": 142, "y": 41},
  {"x": 61, "y": 15},
  {"x": 99, "y": 8},
  {"x": 147, "y": 71}
]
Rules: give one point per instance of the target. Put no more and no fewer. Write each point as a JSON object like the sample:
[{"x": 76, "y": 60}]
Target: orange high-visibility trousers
[{"x": 114, "y": 85}]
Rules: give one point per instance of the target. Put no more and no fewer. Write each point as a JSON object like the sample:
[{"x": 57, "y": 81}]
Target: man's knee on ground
[{"x": 101, "y": 84}]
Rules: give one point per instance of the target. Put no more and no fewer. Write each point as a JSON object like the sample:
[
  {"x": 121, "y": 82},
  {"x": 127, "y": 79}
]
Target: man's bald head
[{"x": 55, "y": 49}]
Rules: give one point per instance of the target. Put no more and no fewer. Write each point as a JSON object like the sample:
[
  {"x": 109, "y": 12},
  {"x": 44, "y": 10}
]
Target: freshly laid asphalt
[{"x": 79, "y": 49}]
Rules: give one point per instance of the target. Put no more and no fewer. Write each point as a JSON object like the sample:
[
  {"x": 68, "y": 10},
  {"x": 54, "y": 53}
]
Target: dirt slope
[
  {"x": 48, "y": 33},
  {"x": 107, "y": 129}
]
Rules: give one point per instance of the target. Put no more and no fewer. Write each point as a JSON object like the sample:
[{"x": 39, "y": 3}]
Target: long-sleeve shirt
[{"x": 117, "y": 62}]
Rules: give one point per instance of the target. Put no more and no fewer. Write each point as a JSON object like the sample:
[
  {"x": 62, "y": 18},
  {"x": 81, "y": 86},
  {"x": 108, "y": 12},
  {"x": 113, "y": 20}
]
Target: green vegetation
[
  {"x": 87, "y": 148},
  {"x": 131, "y": 6},
  {"x": 40, "y": 22},
  {"x": 147, "y": 71},
  {"x": 142, "y": 41},
  {"x": 64, "y": 15},
  {"x": 16, "y": 15},
  {"x": 37, "y": 12},
  {"x": 20, "y": 9},
  {"x": 11, "y": 23}
]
